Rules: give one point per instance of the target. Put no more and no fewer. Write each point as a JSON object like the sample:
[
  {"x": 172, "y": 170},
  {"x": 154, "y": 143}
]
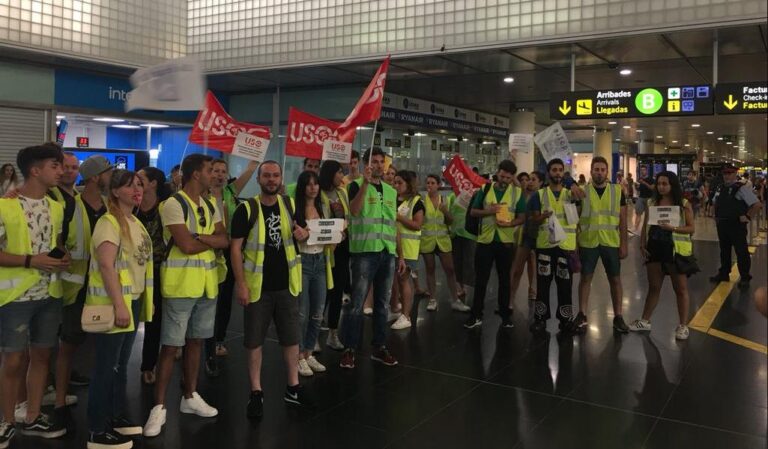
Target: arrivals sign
[
  {"x": 742, "y": 98},
  {"x": 636, "y": 102}
]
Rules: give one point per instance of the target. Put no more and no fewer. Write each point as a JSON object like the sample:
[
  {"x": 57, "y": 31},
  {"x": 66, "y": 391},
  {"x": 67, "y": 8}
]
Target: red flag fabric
[
  {"x": 368, "y": 107},
  {"x": 461, "y": 177},
  {"x": 307, "y": 132},
  {"x": 216, "y": 129}
]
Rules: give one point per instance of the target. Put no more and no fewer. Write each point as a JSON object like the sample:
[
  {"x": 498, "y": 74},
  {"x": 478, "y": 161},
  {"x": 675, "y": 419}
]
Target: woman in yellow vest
[
  {"x": 660, "y": 244},
  {"x": 526, "y": 240},
  {"x": 120, "y": 275},
  {"x": 436, "y": 239},
  {"x": 410, "y": 217}
]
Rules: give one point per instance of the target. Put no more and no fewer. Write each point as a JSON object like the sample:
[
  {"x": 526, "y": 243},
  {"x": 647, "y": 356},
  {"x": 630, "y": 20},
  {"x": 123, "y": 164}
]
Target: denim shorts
[
  {"x": 33, "y": 323},
  {"x": 185, "y": 318},
  {"x": 412, "y": 265}
]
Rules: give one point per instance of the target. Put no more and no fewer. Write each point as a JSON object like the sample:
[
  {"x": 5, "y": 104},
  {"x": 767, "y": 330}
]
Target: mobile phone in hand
[{"x": 57, "y": 253}]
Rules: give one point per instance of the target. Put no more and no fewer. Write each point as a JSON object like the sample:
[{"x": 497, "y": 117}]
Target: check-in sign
[{"x": 742, "y": 98}]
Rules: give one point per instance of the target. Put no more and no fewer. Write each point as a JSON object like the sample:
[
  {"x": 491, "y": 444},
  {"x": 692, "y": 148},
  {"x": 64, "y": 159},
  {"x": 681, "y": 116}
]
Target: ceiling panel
[{"x": 632, "y": 49}]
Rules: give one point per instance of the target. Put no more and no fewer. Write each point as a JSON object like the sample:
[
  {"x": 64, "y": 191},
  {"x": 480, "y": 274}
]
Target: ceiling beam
[{"x": 666, "y": 39}]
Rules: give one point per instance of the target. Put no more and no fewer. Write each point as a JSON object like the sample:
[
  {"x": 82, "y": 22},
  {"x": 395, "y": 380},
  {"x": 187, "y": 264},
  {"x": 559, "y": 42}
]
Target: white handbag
[
  {"x": 98, "y": 319},
  {"x": 556, "y": 231}
]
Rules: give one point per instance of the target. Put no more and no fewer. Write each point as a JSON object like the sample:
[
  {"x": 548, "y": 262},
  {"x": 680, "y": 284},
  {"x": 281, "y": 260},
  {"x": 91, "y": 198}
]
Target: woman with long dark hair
[
  {"x": 155, "y": 192},
  {"x": 315, "y": 273},
  {"x": 410, "y": 217},
  {"x": 335, "y": 203},
  {"x": 9, "y": 180},
  {"x": 660, "y": 244},
  {"x": 526, "y": 242},
  {"x": 120, "y": 275}
]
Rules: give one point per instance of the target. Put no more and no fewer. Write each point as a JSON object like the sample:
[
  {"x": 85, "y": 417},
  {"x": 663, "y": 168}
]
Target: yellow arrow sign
[
  {"x": 564, "y": 109},
  {"x": 731, "y": 103}
]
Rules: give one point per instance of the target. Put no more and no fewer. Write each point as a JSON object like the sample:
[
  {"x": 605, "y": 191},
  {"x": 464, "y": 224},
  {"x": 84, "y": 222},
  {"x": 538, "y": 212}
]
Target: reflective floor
[{"x": 500, "y": 388}]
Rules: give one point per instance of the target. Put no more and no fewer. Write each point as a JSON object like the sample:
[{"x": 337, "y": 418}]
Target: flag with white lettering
[
  {"x": 461, "y": 177},
  {"x": 368, "y": 107},
  {"x": 307, "y": 132},
  {"x": 175, "y": 85},
  {"x": 216, "y": 129}
]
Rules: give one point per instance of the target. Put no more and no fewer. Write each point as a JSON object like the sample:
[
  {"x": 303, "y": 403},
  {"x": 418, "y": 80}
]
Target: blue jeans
[
  {"x": 109, "y": 377},
  {"x": 311, "y": 299},
  {"x": 368, "y": 268}
]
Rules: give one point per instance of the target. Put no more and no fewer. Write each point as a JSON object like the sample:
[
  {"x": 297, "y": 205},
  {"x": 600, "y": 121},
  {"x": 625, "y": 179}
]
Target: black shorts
[
  {"x": 280, "y": 306},
  {"x": 71, "y": 320},
  {"x": 664, "y": 253}
]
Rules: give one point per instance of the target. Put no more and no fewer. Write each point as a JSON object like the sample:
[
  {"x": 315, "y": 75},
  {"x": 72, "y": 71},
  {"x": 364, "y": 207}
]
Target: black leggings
[
  {"x": 341, "y": 284},
  {"x": 223, "y": 309},
  {"x": 151, "y": 347},
  {"x": 553, "y": 263}
]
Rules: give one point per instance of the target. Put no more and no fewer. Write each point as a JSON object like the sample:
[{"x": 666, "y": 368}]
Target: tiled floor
[{"x": 496, "y": 388}]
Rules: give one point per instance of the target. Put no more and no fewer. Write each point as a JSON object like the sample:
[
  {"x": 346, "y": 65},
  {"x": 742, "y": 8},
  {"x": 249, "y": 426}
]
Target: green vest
[
  {"x": 97, "y": 293},
  {"x": 190, "y": 275},
  {"x": 79, "y": 245},
  {"x": 435, "y": 231},
  {"x": 15, "y": 281},
  {"x": 548, "y": 202},
  {"x": 409, "y": 239},
  {"x": 682, "y": 242},
  {"x": 290, "y": 190},
  {"x": 599, "y": 221},
  {"x": 488, "y": 227},
  {"x": 375, "y": 230},
  {"x": 253, "y": 254},
  {"x": 459, "y": 214}
]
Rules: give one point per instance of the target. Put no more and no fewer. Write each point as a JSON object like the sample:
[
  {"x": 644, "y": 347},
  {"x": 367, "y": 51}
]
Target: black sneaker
[
  {"x": 109, "y": 440},
  {"x": 255, "y": 408},
  {"x": 719, "y": 277},
  {"x": 44, "y": 427},
  {"x": 78, "y": 380},
  {"x": 620, "y": 325},
  {"x": 579, "y": 323},
  {"x": 506, "y": 323},
  {"x": 382, "y": 355},
  {"x": 538, "y": 327},
  {"x": 212, "y": 367},
  {"x": 296, "y": 395},
  {"x": 125, "y": 427},
  {"x": 6, "y": 433},
  {"x": 472, "y": 322},
  {"x": 744, "y": 282}
]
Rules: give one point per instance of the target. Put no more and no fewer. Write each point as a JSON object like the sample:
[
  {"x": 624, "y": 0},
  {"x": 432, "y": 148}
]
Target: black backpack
[
  {"x": 185, "y": 211},
  {"x": 472, "y": 224}
]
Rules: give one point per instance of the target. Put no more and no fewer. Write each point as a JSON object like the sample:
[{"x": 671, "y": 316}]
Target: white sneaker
[
  {"x": 197, "y": 406},
  {"x": 682, "y": 332},
  {"x": 20, "y": 412},
  {"x": 155, "y": 422},
  {"x": 315, "y": 365},
  {"x": 640, "y": 325},
  {"x": 333, "y": 341},
  {"x": 50, "y": 398},
  {"x": 304, "y": 369},
  {"x": 460, "y": 306},
  {"x": 402, "y": 323},
  {"x": 394, "y": 316},
  {"x": 432, "y": 305},
  {"x": 367, "y": 311}
]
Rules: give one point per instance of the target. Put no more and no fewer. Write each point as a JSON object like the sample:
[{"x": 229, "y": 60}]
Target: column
[
  {"x": 603, "y": 146},
  {"x": 646, "y": 147},
  {"x": 523, "y": 122}
]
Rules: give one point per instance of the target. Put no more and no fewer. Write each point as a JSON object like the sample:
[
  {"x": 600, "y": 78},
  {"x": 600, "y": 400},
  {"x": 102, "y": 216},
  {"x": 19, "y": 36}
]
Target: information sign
[{"x": 742, "y": 98}]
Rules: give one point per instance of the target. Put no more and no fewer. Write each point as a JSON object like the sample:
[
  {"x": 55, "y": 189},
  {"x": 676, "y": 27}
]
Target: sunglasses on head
[{"x": 201, "y": 213}]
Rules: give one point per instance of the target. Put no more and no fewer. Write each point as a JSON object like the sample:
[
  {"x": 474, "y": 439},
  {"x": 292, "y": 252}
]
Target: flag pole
[{"x": 373, "y": 137}]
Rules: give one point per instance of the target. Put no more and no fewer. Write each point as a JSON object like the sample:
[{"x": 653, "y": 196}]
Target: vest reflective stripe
[
  {"x": 96, "y": 293},
  {"x": 682, "y": 243},
  {"x": 375, "y": 229},
  {"x": 410, "y": 239},
  {"x": 488, "y": 227},
  {"x": 72, "y": 278},
  {"x": 326, "y": 202},
  {"x": 15, "y": 281},
  {"x": 549, "y": 202},
  {"x": 190, "y": 275},
  {"x": 434, "y": 232},
  {"x": 253, "y": 255},
  {"x": 600, "y": 218}
]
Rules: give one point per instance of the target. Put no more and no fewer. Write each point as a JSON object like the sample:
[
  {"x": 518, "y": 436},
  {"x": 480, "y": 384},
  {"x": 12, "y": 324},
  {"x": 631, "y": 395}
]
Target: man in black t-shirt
[
  {"x": 644, "y": 192},
  {"x": 277, "y": 298}
]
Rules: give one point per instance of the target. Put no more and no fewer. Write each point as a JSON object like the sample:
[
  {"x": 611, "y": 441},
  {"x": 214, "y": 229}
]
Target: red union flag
[
  {"x": 307, "y": 132},
  {"x": 368, "y": 107},
  {"x": 461, "y": 177},
  {"x": 216, "y": 129}
]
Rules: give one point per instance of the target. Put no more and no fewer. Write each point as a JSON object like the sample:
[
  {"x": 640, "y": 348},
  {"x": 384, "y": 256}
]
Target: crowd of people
[{"x": 132, "y": 247}]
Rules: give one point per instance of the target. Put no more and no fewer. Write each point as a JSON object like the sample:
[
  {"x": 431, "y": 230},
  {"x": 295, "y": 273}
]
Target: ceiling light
[
  {"x": 639, "y": 131},
  {"x": 360, "y": 128},
  {"x": 618, "y": 140},
  {"x": 59, "y": 117},
  {"x": 58, "y": 122},
  {"x": 710, "y": 133},
  {"x": 659, "y": 137},
  {"x": 626, "y": 127},
  {"x": 729, "y": 143},
  {"x": 695, "y": 125},
  {"x": 420, "y": 135},
  {"x": 108, "y": 119},
  {"x": 611, "y": 122},
  {"x": 127, "y": 126},
  {"x": 453, "y": 139},
  {"x": 154, "y": 125},
  {"x": 719, "y": 138},
  {"x": 674, "y": 141},
  {"x": 509, "y": 79},
  {"x": 637, "y": 141},
  {"x": 687, "y": 145},
  {"x": 625, "y": 72}
]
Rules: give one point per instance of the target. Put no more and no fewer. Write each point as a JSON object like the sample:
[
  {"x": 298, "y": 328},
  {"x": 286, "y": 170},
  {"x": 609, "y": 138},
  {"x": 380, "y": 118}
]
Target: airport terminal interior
[{"x": 651, "y": 86}]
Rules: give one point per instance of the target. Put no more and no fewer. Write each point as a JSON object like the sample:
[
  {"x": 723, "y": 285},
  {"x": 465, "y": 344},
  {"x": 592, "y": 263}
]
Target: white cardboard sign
[
  {"x": 659, "y": 215},
  {"x": 325, "y": 231},
  {"x": 250, "y": 147},
  {"x": 520, "y": 143},
  {"x": 553, "y": 143},
  {"x": 333, "y": 150}
]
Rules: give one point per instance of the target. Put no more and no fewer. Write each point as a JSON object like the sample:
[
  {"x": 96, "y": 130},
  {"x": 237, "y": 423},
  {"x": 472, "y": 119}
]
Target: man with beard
[
  {"x": 552, "y": 258},
  {"x": 65, "y": 190},
  {"x": 267, "y": 275},
  {"x": 603, "y": 235}
]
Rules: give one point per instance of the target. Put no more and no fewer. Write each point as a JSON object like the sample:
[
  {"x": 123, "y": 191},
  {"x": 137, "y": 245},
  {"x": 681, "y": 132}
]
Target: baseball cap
[
  {"x": 94, "y": 166},
  {"x": 729, "y": 168}
]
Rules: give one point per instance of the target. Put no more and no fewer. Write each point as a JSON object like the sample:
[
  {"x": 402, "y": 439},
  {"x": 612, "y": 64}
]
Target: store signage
[
  {"x": 82, "y": 142},
  {"x": 639, "y": 102},
  {"x": 394, "y": 143},
  {"x": 742, "y": 98}
]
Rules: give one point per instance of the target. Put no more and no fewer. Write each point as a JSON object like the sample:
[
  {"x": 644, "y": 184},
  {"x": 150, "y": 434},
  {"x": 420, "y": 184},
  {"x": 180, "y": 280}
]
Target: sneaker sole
[
  {"x": 346, "y": 366},
  {"x": 477, "y": 324},
  {"x": 129, "y": 431},
  {"x": 639, "y": 330},
  {"x": 126, "y": 445},
  {"x": 79, "y": 384},
  {"x": 376, "y": 359},
  {"x": 196, "y": 412},
  {"x": 43, "y": 434},
  {"x": 153, "y": 434},
  {"x": 618, "y": 329}
]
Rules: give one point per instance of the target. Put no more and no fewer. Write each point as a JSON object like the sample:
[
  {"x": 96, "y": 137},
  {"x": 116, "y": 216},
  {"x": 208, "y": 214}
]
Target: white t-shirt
[
  {"x": 38, "y": 218},
  {"x": 173, "y": 214}
]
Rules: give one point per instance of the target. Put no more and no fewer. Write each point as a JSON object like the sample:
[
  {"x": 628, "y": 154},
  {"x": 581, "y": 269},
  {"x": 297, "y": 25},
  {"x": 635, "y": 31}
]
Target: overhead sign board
[
  {"x": 742, "y": 98},
  {"x": 636, "y": 102}
]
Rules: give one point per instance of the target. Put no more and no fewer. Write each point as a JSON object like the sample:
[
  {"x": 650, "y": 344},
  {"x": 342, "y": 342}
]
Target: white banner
[
  {"x": 176, "y": 85},
  {"x": 325, "y": 231},
  {"x": 250, "y": 147},
  {"x": 659, "y": 215},
  {"x": 521, "y": 143},
  {"x": 553, "y": 143},
  {"x": 333, "y": 150}
]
